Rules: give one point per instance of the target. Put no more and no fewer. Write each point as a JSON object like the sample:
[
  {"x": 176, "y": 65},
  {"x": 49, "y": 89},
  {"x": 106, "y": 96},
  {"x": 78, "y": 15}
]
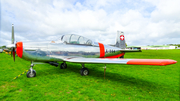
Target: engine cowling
[{"x": 19, "y": 49}]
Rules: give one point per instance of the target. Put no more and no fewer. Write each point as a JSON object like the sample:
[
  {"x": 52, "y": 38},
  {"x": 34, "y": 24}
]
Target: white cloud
[{"x": 143, "y": 22}]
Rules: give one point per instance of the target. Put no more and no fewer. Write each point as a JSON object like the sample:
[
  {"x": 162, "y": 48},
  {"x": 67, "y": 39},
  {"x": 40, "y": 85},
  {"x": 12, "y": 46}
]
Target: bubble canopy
[{"x": 75, "y": 39}]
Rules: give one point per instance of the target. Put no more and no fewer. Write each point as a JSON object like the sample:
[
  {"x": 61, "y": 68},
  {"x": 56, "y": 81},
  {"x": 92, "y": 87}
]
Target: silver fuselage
[{"x": 42, "y": 51}]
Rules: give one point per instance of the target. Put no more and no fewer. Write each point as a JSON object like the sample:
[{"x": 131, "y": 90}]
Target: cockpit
[{"x": 75, "y": 39}]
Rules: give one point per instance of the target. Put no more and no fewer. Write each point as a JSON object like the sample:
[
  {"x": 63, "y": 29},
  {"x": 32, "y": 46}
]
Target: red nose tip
[{"x": 19, "y": 49}]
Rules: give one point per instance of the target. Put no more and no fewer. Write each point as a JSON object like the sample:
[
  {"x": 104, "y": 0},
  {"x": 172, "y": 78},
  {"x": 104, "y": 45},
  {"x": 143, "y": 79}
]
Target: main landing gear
[
  {"x": 63, "y": 65},
  {"x": 31, "y": 73},
  {"x": 84, "y": 71}
]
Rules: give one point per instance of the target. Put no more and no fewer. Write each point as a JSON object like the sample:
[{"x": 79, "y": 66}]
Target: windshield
[{"x": 75, "y": 39}]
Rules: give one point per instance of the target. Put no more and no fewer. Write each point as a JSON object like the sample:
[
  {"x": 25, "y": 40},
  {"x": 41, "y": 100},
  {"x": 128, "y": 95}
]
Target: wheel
[
  {"x": 122, "y": 57},
  {"x": 84, "y": 71},
  {"x": 30, "y": 75},
  {"x": 63, "y": 65}
]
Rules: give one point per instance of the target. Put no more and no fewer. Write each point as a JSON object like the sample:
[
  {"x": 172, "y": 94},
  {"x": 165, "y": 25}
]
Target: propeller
[{"x": 13, "y": 46}]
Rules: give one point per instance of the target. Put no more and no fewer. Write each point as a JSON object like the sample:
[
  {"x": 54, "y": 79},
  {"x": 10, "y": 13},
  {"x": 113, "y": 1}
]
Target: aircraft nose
[{"x": 19, "y": 49}]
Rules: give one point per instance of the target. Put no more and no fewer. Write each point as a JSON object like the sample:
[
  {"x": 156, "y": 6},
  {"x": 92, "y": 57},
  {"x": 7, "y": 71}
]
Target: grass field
[{"x": 123, "y": 82}]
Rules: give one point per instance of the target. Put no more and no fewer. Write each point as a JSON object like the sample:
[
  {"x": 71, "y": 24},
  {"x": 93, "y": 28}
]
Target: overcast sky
[{"x": 144, "y": 22}]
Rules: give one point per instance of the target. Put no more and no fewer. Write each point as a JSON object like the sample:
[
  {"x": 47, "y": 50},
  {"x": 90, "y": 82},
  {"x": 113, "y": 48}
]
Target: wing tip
[{"x": 160, "y": 62}]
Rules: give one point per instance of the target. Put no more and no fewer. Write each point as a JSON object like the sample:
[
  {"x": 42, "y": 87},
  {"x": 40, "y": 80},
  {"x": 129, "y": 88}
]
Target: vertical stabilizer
[{"x": 120, "y": 40}]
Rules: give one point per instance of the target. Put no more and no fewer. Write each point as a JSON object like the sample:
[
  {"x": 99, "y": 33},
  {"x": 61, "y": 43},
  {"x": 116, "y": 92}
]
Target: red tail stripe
[
  {"x": 102, "y": 50},
  {"x": 19, "y": 49}
]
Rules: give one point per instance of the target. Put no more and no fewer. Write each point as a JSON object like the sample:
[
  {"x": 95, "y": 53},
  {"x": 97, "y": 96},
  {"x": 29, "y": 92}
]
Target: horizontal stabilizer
[{"x": 130, "y": 50}]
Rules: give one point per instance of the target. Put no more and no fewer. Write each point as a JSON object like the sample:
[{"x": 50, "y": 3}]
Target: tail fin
[{"x": 120, "y": 40}]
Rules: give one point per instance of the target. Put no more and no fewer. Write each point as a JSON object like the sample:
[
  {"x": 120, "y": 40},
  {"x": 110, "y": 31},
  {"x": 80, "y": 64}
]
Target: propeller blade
[
  {"x": 12, "y": 42},
  {"x": 12, "y": 39},
  {"x": 14, "y": 55},
  {"x": 12, "y": 46}
]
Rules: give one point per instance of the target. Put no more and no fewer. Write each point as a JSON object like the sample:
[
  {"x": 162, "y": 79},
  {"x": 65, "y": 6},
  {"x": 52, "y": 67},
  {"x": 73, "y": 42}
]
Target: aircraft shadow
[{"x": 116, "y": 77}]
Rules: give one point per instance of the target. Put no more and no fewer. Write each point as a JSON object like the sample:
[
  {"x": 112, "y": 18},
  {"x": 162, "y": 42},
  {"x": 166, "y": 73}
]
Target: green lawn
[{"x": 123, "y": 82}]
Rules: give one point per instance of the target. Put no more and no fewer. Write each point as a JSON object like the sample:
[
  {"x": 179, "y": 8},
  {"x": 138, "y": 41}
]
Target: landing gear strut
[
  {"x": 84, "y": 71},
  {"x": 31, "y": 73},
  {"x": 63, "y": 65}
]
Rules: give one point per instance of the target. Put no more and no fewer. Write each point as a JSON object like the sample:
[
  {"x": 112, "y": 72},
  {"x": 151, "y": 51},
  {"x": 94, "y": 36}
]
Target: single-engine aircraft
[{"x": 78, "y": 49}]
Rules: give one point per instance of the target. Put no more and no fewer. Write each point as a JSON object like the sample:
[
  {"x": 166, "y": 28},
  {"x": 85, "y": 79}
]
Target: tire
[
  {"x": 122, "y": 57},
  {"x": 84, "y": 71},
  {"x": 30, "y": 75},
  {"x": 63, "y": 66}
]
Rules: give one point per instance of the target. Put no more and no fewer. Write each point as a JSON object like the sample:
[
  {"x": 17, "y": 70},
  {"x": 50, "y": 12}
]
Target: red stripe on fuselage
[
  {"x": 115, "y": 56},
  {"x": 102, "y": 50}
]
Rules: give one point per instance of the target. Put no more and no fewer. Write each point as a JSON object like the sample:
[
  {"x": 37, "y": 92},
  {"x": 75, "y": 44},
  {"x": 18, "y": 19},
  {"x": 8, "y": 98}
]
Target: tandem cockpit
[{"x": 76, "y": 39}]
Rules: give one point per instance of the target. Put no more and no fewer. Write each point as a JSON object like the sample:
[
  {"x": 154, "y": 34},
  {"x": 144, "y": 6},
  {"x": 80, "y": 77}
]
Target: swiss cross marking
[{"x": 122, "y": 37}]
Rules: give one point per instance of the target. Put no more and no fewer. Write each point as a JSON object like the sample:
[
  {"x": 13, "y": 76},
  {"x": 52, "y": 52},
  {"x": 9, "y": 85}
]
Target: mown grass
[{"x": 123, "y": 82}]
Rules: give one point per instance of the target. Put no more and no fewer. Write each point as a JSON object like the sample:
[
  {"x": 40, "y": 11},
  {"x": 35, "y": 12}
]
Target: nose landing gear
[{"x": 31, "y": 73}]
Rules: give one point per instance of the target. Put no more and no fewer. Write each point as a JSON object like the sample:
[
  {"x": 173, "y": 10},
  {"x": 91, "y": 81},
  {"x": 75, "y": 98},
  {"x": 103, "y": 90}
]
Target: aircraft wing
[{"x": 161, "y": 62}]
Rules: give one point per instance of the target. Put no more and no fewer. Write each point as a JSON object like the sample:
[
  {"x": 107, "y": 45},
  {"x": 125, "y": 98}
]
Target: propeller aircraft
[{"x": 78, "y": 49}]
